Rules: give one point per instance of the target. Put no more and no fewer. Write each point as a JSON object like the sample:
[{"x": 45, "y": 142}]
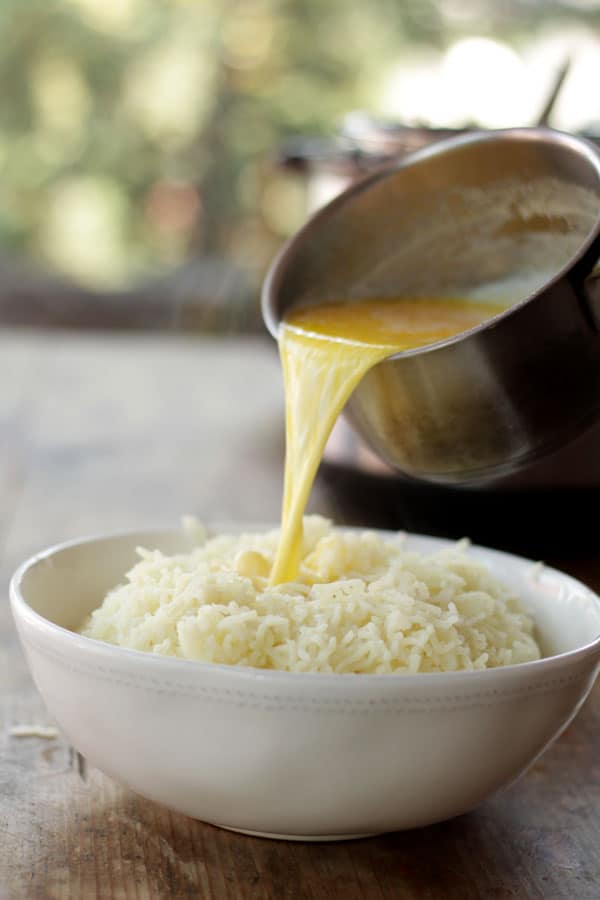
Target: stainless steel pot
[{"x": 511, "y": 215}]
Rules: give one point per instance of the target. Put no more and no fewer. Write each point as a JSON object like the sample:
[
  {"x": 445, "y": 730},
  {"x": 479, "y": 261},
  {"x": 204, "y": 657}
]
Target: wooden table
[{"x": 101, "y": 432}]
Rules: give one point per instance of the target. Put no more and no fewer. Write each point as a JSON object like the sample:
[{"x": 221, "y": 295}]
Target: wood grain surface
[{"x": 101, "y": 432}]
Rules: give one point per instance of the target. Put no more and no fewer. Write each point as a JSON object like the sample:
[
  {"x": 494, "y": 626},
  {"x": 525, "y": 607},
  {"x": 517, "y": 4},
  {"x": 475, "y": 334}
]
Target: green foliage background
[{"x": 135, "y": 133}]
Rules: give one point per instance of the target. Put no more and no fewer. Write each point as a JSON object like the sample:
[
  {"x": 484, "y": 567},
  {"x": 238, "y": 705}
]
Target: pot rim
[{"x": 577, "y": 266}]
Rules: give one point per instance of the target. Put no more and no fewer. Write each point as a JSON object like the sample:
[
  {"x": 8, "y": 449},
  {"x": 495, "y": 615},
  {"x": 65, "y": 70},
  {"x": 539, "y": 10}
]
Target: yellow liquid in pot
[{"x": 325, "y": 351}]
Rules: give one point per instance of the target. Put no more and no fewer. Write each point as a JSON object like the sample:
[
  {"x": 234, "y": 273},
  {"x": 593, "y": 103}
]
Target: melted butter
[{"x": 325, "y": 351}]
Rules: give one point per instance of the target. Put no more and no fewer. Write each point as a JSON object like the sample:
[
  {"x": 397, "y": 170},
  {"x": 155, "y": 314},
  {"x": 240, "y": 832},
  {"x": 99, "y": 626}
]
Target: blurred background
[{"x": 155, "y": 153}]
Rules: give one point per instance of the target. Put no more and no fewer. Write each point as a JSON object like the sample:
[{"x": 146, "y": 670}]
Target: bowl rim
[{"x": 22, "y": 611}]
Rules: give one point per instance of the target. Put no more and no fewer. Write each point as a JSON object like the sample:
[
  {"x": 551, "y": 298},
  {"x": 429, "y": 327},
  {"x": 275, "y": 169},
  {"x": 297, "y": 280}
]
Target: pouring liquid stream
[{"x": 325, "y": 351}]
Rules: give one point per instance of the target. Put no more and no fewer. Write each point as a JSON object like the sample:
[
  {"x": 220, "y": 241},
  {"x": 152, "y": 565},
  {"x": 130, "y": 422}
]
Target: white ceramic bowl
[{"x": 299, "y": 755}]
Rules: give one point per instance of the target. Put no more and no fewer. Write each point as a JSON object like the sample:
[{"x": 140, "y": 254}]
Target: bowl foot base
[{"x": 298, "y": 837}]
